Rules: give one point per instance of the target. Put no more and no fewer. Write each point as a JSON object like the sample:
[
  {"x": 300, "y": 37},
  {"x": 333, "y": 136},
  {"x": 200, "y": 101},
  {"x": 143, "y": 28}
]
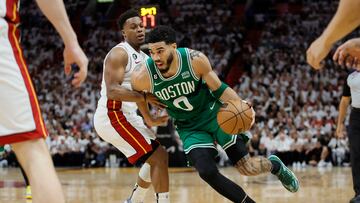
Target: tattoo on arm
[{"x": 194, "y": 53}]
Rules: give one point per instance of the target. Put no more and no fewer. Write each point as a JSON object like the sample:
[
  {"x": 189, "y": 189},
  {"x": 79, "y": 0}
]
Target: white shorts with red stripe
[
  {"x": 20, "y": 117},
  {"x": 126, "y": 131}
]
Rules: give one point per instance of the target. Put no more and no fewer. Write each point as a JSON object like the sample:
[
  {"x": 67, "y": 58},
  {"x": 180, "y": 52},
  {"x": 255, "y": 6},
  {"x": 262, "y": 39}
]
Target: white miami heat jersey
[{"x": 135, "y": 60}]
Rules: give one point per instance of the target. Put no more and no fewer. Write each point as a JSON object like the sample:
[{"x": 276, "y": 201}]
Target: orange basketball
[{"x": 235, "y": 116}]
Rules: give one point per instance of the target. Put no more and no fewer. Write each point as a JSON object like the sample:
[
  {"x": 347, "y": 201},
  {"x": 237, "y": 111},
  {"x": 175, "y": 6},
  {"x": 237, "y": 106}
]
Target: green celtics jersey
[{"x": 189, "y": 100}]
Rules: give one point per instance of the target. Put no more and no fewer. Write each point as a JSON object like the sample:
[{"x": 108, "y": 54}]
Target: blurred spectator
[
  {"x": 319, "y": 155},
  {"x": 340, "y": 150}
]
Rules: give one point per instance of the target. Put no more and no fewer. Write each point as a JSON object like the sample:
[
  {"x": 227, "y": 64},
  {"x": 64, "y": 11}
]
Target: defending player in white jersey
[{"x": 116, "y": 119}]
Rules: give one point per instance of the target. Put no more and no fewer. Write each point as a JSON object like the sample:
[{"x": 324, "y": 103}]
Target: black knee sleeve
[
  {"x": 207, "y": 171},
  {"x": 204, "y": 163}
]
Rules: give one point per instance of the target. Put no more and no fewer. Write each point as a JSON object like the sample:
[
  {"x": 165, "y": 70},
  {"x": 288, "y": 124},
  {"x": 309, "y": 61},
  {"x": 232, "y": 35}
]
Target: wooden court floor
[{"x": 113, "y": 185}]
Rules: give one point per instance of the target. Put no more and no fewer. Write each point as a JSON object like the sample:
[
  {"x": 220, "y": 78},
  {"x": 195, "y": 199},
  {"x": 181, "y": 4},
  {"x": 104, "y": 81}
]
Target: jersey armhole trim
[{"x": 190, "y": 65}]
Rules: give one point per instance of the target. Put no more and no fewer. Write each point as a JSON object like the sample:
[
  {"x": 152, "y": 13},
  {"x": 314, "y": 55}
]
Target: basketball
[{"x": 235, "y": 117}]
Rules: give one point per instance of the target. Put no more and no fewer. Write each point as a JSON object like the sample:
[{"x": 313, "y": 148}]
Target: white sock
[
  {"x": 138, "y": 194},
  {"x": 162, "y": 197}
]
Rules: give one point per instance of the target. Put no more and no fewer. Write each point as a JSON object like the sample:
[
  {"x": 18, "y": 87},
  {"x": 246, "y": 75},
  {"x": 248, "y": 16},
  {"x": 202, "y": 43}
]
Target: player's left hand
[
  {"x": 150, "y": 98},
  {"x": 317, "y": 52},
  {"x": 73, "y": 54},
  {"x": 348, "y": 54}
]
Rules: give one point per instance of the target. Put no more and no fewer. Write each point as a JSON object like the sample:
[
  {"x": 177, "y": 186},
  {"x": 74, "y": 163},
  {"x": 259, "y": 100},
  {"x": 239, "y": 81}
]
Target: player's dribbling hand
[
  {"x": 348, "y": 54},
  {"x": 73, "y": 54},
  {"x": 317, "y": 52},
  {"x": 150, "y": 98}
]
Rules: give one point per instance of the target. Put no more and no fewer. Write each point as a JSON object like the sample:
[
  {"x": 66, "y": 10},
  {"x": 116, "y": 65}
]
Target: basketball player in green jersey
[{"x": 183, "y": 80}]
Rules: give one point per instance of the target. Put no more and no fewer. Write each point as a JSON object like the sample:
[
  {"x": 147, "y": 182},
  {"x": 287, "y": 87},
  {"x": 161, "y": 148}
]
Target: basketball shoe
[{"x": 286, "y": 176}]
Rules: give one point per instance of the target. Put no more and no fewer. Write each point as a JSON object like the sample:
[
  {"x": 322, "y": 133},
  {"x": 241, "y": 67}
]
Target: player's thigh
[
  {"x": 138, "y": 123},
  {"x": 157, "y": 154},
  {"x": 33, "y": 155},
  {"x": 196, "y": 139},
  {"x": 223, "y": 139},
  {"x": 203, "y": 160},
  {"x": 132, "y": 139}
]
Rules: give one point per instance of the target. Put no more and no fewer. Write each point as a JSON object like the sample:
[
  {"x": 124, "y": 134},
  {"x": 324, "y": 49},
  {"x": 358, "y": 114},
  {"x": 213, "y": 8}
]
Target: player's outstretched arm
[
  {"x": 73, "y": 54},
  {"x": 204, "y": 70},
  {"x": 345, "y": 20}
]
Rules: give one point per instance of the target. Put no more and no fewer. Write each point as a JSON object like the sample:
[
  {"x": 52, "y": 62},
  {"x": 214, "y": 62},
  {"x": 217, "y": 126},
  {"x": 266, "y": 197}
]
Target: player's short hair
[
  {"x": 161, "y": 33},
  {"x": 126, "y": 15}
]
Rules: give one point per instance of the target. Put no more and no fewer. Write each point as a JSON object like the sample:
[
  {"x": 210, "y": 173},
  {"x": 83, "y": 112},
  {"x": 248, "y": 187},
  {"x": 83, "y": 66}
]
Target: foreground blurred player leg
[
  {"x": 38, "y": 170},
  {"x": 21, "y": 123}
]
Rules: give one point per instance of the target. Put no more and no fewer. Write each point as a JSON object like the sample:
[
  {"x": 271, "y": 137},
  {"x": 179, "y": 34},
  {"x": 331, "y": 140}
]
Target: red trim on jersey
[
  {"x": 12, "y": 13},
  {"x": 20, "y": 137},
  {"x": 13, "y": 35},
  {"x": 127, "y": 131}
]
